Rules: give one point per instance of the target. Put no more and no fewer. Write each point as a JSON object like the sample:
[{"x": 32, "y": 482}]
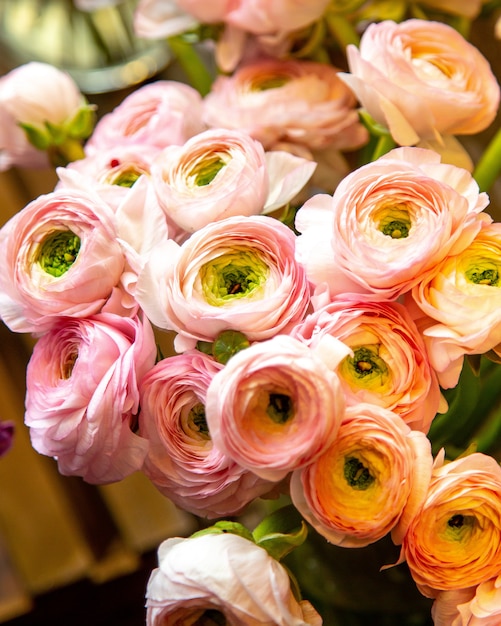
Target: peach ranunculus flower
[
  {"x": 370, "y": 481},
  {"x": 473, "y": 606},
  {"x": 277, "y": 405},
  {"x": 60, "y": 257},
  {"x": 422, "y": 79},
  {"x": 220, "y": 173},
  {"x": 455, "y": 541},
  {"x": 462, "y": 300},
  {"x": 388, "y": 223},
  {"x": 247, "y": 588},
  {"x": 82, "y": 396},
  {"x": 388, "y": 365},
  {"x": 34, "y": 95},
  {"x": 159, "y": 114},
  {"x": 182, "y": 461},
  {"x": 287, "y": 101},
  {"x": 235, "y": 274}
]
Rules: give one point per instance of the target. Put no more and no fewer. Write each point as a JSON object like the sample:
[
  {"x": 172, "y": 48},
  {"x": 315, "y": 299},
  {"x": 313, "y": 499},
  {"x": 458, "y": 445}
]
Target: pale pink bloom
[
  {"x": 388, "y": 223},
  {"x": 246, "y": 588},
  {"x": 388, "y": 365},
  {"x": 159, "y": 114},
  {"x": 473, "y": 606},
  {"x": 182, "y": 461},
  {"x": 34, "y": 94},
  {"x": 235, "y": 274},
  {"x": 6, "y": 435},
  {"x": 222, "y": 173},
  {"x": 277, "y": 405},
  {"x": 461, "y": 300},
  {"x": 157, "y": 19},
  {"x": 372, "y": 480},
  {"x": 60, "y": 257},
  {"x": 299, "y": 102},
  {"x": 455, "y": 541},
  {"x": 82, "y": 395},
  {"x": 422, "y": 79}
]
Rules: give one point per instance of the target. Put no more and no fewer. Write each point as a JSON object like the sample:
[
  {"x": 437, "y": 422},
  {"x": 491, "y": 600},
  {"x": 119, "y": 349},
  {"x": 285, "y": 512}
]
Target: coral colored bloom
[
  {"x": 60, "y": 257},
  {"x": 474, "y": 606},
  {"x": 159, "y": 114},
  {"x": 371, "y": 480},
  {"x": 34, "y": 94},
  {"x": 82, "y": 395},
  {"x": 388, "y": 365},
  {"x": 297, "y": 102},
  {"x": 388, "y": 223},
  {"x": 422, "y": 79},
  {"x": 182, "y": 461},
  {"x": 455, "y": 541},
  {"x": 277, "y": 405},
  {"x": 462, "y": 299},
  {"x": 235, "y": 274},
  {"x": 246, "y": 588}
]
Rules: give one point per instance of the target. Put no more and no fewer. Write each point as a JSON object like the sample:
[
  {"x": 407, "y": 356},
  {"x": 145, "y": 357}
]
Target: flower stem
[
  {"x": 489, "y": 164},
  {"x": 191, "y": 63},
  {"x": 384, "y": 144}
]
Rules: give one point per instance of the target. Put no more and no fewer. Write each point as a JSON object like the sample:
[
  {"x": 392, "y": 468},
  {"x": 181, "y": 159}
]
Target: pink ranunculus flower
[
  {"x": 158, "y": 19},
  {"x": 60, "y": 257},
  {"x": 388, "y": 223},
  {"x": 235, "y": 274},
  {"x": 6, "y": 435},
  {"x": 182, "y": 461},
  {"x": 372, "y": 480},
  {"x": 473, "y": 606},
  {"x": 422, "y": 79},
  {"x": 34, "y": 94},
  {"x": 294, "y": 101},
  {"x": 388, "y": 365},
  {"x": 221, "y": 173},
  {"x": 462, "y": 300},
  {"x": 277, "y": 405},
  {"x": 455, "y": 541},
  {"x": 159, "y": 114},
  {"x": 247, "y": 588},
  {"x": 82, "y": 396}
]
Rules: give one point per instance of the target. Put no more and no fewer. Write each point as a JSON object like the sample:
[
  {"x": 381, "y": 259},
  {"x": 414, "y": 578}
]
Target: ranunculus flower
[
  {"x": 455, "y": 541},
  {"x": 422, "y": 79},
  {"x": 82, "y": 395},
  {"x": 247, "y": 588},
  {"x": 182, "y": 461},
  {"x": 36, "y": 95},
  {"x": 6, "y": 434},
  {"x": 388, "y": 365},
  {"x": 235, "y": 274},
  {"x": 462, "y": 298},
  {"x": 157, "y": 19},
  {"x": 59, "y": 257},
  {"x": 277, "y": 405},
  {"x": 371, "y": 480},
  {"x": 159, "y": 114},
  {"x": 221, "y": 173},
  {"x": 388, "y": 223},
  {"x": 473, "y": 606},
  {"x": 298, "y": 102}
]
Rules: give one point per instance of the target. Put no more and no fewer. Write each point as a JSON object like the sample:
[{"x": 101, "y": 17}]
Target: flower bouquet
[{"x": 306, "y": 232}]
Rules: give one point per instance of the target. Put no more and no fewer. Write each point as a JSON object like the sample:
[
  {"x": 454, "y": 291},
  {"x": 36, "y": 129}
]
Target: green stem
[
  {"x": 193, "y": 66},
  {"x": 489, "y": 164},
  {"x": 67, "y": 152},
  {"x": 384, "y": 144}
]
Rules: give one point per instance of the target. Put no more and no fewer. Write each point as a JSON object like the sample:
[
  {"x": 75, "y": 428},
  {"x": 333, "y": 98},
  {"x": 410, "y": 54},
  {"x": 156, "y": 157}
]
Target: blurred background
[{"x": 72, "y": 553}]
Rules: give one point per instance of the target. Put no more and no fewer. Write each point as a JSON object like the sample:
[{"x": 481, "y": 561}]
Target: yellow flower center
[
  {"x": 393, "y": 221},
  {"x": 366, "y": 369}
]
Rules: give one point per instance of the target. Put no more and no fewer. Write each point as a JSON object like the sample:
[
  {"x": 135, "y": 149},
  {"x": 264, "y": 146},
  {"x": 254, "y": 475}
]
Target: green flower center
[
  {"x": 487, "y": 275},
  {"x": 58, "y": 251},
  {"x": 280, "y": 407},
  {"x": 460, "y": 526},
  {"x": 125, "y": 178},
  {"x": 270, "y": 82},
  {"x": 231, "y": 276},
  {"x": 395, "y": 223},
  {"x": 206, "y": 170},
  {"x": 365, "y": 368},
  {"x": 357, "y": 475},
  {"x": 197, "y": 422},
  {"x": 211, "y": 617}
]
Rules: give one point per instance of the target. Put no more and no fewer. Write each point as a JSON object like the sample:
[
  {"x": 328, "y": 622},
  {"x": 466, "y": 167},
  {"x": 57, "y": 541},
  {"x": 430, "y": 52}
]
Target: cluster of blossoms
[{"x": 308, "y": 360}]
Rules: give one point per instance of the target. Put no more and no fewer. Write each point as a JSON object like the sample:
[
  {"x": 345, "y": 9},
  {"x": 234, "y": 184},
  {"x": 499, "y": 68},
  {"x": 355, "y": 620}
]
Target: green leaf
[
  {"x": 82, "y": 124},
  {"x": 37, "y": 136},
  {"x": 223, "y": 527},
  {"x": 280, "y": 532},
  {"x": 227, "y": 344}
]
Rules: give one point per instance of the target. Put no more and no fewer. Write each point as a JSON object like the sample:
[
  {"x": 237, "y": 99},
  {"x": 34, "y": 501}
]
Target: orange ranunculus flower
[
  {"x": 455, "y": 541},
  {"x": 370, "y": 481}
]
